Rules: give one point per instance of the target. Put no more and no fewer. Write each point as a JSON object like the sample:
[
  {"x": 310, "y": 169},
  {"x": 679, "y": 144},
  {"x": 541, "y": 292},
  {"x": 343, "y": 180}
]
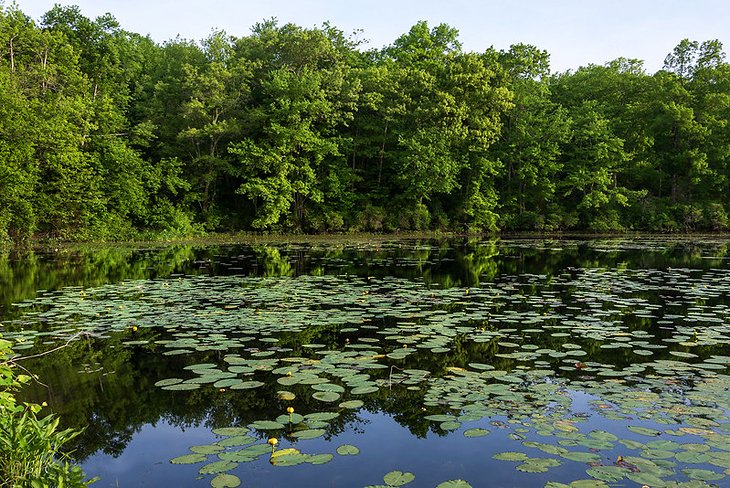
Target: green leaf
[
  {"x": 348, "y": 450},
  {"x": 189, "y": 459},
  {"x": 582, "y": 457},
  {"x": 225, "y": 481},
  {"x": 703, "y": 474},
  {"x": 320, "y": 459},
  {"x": 454, "y": 484},
  {"x": 398, "y": 478},
  {"x": 217, "y": 467},
  {"x": 511, "y": 456},
  {"x": 207, "y": 449},
  {"x": 476, "y": 432},
  {"x": 266, "y": 425},
  {"x": 309, "y": 434},
  {"x": 326, "y": 396},
  {"x": 643, "y": 430}
]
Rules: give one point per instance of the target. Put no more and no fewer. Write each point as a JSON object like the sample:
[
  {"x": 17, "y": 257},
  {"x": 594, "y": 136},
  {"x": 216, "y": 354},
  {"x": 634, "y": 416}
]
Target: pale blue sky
[{"x": 574, "y": 32}]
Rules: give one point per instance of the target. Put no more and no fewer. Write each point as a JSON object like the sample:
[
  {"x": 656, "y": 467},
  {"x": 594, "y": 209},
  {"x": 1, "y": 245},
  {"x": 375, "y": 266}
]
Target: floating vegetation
[{"x": 616, "y": 372}]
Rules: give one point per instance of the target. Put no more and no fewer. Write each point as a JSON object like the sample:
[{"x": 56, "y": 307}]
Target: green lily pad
[
  {"x": 218, "y": 467},
  {"x": 326, "y": 396},
  {"x": 645, "y": 479},
  {"x": 246, "y": 385},
  {"x": 182, "y": 387},
  {"x": 691, "y": 457},
  {"x": 228, "y": 383},
  {"x": 321, "y": 416},
  {"x": 454, "y": 484},
  {"x": 287, "y": 396},
  {"x": 232, "y": 431},
  {"x": 309, "y": 434},
  {"x": 608, "y": 473},
  {"x": 169, "y": 382},
  {"x": 703, "y": 474},
  {"x": 582, "y": 457},
  {"x": 587, "y": 484},
  {"x": 528, "y": 467},
  {"x": 440, "y": 418},
  {"x": 348, "y": 450},
  {"x": 352, "y": 404},
  {"x": 207, "y": 449},
  {"x": 602, "y": 435},
  {"x": 511, "y": 456},
  {"x": 294, "y": 459},
  {"x": 450, "y": 425},
  {"x": 266, "y": 425},
  {"x": 320, "y": 459},
  {"x": 644, "y": 431},
  {"x": 225, "y": 480},
  {"x": 189, "y": 459},
  {"x": 363, "y": 390},
  {"x": 398, "y": 478}
]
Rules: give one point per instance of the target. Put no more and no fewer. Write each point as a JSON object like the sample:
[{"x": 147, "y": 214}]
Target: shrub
[{"x": 30, "y": 446}]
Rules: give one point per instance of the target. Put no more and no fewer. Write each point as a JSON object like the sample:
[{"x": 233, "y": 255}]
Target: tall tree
[
  {"x": 529, "y": 147},
  {"x": 292, "y": 156}
]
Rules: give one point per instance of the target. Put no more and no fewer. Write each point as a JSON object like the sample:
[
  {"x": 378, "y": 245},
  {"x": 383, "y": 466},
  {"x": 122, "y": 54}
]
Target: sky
[{"x": 574, "y": 32}]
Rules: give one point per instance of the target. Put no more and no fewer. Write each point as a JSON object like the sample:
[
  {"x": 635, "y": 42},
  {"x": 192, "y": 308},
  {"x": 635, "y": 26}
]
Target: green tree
[
  {"x": 530, "y": 145},
  {"x": 218, "y": 90},
  {"x": 292, "y": 159},
  {"x": 430, "y": 113}
]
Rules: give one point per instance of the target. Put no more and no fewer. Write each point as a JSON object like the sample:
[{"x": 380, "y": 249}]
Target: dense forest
[{"x": 106, "y": 134}]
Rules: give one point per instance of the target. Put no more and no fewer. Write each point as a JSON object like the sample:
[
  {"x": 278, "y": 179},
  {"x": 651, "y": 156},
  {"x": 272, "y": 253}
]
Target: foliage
[
  {"x": 30, "y": 446},
  {"x": 105, "y": 134}
]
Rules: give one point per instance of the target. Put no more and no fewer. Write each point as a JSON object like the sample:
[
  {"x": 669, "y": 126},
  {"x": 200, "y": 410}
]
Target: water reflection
[{"x": 107, "y": 386}]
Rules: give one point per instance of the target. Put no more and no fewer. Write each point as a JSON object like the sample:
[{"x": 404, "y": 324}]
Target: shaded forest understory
[{"x": 106, "y": 134}]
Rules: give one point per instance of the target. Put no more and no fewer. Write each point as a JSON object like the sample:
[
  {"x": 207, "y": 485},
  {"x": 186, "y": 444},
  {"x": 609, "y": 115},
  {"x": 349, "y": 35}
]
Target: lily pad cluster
[{"x": 538, "y": 359}]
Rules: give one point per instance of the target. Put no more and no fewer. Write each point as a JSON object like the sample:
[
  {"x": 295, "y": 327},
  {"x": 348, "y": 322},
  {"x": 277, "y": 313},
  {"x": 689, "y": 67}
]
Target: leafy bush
[
  {"x": 30, "y": 446},
  {"x": 371, "y": 218},
  {"x": 716, "y": 217}
]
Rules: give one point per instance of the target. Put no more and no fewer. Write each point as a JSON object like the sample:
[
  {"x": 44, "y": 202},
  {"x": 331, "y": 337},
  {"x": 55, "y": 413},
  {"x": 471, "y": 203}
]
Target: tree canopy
[{"x": 106, "y": 134}]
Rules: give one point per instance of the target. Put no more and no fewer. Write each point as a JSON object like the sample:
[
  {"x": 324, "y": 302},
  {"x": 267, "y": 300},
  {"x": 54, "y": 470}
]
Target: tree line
[{"x": 106, "y": 134}]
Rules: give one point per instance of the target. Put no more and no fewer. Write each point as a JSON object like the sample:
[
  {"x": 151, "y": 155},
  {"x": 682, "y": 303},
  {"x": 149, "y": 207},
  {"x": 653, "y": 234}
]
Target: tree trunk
[{"x": 12, "y": 55}]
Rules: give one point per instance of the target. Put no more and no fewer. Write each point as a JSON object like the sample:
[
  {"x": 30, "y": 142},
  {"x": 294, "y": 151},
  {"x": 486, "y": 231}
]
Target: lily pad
[
  {"x": 309, "y": 434},
  {"x": 189, "y": 459},
  {"x": 610, "y": 474},
  {"x": 320, "y": 459},
  {"x": 348, "y": 450},
  {"x": 217, "y": 467},
  {"x": 398, "y": 478},
  {"x": 231, "y": 431},
  {"x": 207, "y": 449},
  {"x": 703, "y": 474},
  {"x": 352, "y": 404},
  {"x": 644, "y": 430},
  {"x": 511, "y": 456},
  {"x": 225, "y": 480},
  {"x": 454, "y": 484},
  {"x": 582, "y": 457},
  {"x": 266, "y": 425},
  {"x": 326, "y": 396}
]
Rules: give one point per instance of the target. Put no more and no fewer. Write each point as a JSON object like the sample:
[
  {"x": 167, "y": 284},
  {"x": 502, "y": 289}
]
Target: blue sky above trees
[{"x": 574, "y": 32}]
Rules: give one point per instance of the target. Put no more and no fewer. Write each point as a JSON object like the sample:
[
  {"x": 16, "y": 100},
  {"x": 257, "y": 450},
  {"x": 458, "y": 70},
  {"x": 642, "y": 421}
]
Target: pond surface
[{"x": 384, "y": 363}]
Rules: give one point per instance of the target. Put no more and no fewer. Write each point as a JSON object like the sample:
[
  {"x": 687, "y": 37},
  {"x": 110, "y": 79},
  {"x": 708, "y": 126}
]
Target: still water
[{"x": 424, "y": 363}]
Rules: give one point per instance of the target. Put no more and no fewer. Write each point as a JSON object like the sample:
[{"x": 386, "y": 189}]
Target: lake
[{"x": 418, "y": 363}]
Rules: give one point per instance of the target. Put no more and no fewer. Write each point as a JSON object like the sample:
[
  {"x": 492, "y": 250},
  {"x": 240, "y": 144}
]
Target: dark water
[{"x": 602, "y": 348}]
